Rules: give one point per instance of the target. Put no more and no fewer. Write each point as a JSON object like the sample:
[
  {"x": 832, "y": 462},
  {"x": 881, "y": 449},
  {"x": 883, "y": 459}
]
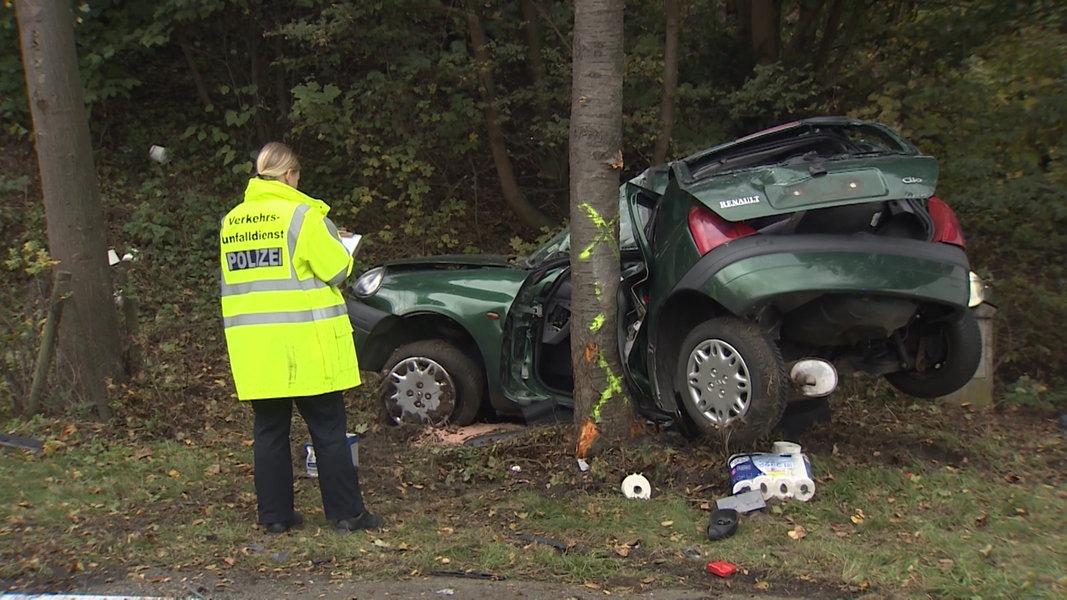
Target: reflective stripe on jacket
[{"x": 287, "y": 330}]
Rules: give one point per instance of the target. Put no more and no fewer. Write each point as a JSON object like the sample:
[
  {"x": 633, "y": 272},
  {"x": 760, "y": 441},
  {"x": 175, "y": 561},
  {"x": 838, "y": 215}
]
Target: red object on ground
[{"x": 721, "y": 568}]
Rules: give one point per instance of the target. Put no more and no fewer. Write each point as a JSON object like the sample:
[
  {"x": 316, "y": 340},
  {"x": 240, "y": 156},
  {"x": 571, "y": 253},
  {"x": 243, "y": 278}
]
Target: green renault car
[{"x": 751, "y": 275}]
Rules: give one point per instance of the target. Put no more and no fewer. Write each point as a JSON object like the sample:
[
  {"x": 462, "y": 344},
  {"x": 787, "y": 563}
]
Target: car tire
[
  {"x": 732, "y": 381},
  {"x": 431, "y": 382},
  {"x": 958, "y": 347}
]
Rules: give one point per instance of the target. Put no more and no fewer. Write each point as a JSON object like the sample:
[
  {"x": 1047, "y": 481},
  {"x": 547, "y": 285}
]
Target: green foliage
[
  {"x": 1029, "y": 392},
  {"x": 383, "y": 102}
]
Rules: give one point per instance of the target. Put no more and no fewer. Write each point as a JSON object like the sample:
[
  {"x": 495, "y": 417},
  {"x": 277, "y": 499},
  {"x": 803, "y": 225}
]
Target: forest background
[{"x": 441, "y": 126}]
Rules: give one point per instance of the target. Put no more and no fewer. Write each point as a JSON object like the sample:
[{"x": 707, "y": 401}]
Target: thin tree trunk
[
  {"x": 829, "y": 33},
  {"x": 766, "y": 17},
  {"x": 532, "y": 29},
  {"x": 89, "y": 341},
  {"x": 194, "y": 72},
  {"x": 602, "y": 410},
  {"x": 509, "y": 184},
  {"x": 45, "y": 352},
  {"x": 670, "y": 82},
  {"x": 803, "y": 31}
]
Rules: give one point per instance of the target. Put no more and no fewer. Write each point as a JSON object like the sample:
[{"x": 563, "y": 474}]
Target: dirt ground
[
  {"x": 206, "y": 585},
  {"x": 858, "y": 432}
]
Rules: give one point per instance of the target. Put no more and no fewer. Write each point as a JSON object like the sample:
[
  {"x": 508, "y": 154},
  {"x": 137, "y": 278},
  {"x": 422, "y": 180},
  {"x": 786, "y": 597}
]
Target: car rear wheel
[
  {"x": 951, "y": 354},
  {"x": 732, "y": 380},
  {"x": 432, "y": 382}
]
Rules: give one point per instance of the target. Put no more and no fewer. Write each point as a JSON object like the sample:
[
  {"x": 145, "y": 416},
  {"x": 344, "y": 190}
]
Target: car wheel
[
  {"x": 952, "y": 352},
  {"x": 732, "y": 380},
  {"x": 433, "y": 382}
]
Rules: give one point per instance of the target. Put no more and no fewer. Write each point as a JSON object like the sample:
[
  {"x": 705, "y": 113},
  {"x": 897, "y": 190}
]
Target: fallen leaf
[
  {"x": 798, "y": 532},
  {"x": 666, "y": 523}
]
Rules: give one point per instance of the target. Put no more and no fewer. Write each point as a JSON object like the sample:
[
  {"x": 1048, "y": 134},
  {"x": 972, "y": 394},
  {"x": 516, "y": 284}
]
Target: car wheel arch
[
  {"x": 398, "y": 330},
  {"x": 687, "y": 309}
]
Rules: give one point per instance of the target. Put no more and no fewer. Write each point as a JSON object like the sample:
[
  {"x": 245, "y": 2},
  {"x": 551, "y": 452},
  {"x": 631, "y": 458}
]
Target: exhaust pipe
[{"x": 813, "y": 377}]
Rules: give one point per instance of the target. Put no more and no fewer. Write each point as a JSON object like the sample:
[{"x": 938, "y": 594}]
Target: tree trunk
[
  {"x": 602, "y": 411},
  {"x": 532, "y": 30},
  {"x": 829, "y": 33},
  {"x": 89, "y": 340},
  {"x": 803, "y": 31},
  {"x": 513, "y": 195},
  {"x": 766, "y": 19},
  {"x": 670, "y": 82}
]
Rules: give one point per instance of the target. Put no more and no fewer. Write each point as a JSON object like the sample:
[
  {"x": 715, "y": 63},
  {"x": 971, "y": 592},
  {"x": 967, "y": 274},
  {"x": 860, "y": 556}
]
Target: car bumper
[
  {"x": 752, "y": 272},
  {"x": 365, "y": 320}
]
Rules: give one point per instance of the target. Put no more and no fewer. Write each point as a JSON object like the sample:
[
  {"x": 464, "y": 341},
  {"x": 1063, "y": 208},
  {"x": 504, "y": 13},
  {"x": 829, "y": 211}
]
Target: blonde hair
[{"x": 275, "y": 160}]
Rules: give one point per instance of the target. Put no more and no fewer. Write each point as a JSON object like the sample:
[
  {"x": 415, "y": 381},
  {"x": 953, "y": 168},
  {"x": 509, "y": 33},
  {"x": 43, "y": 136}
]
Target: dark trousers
[{"x": 338, "y": 479}]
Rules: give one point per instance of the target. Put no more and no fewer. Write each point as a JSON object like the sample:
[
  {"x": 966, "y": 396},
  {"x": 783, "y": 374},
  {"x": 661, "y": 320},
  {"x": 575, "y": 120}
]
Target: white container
[{"x": 312, "y": 466}]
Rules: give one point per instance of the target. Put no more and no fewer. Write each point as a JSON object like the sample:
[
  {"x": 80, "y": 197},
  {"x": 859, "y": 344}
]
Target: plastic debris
[
  {"x": 692, "y": 553},
  {"x": 745, "y": 502},
  {"x": 157, "y": 153},
  {"x": 721, "y": 568}
]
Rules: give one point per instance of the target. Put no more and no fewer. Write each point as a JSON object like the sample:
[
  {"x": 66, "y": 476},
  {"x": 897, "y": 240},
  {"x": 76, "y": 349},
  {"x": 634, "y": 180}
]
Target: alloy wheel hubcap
[
  {"x": 420, "y": 388},
  {"x": 718, "y": 382}
]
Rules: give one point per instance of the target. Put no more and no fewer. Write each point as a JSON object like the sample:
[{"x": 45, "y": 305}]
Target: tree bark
[
  {"x": 89, "y": 341},
  {"x": 602, "y": 410},
  {"x": 829, "y": 33},
  {"x": 803, "y": 31},
  {"x": 766, "y": 26},
  {"x": 532, "y": 30},
  {"x": 516, "y": 200},
  {"x": 670, "y": 82}
]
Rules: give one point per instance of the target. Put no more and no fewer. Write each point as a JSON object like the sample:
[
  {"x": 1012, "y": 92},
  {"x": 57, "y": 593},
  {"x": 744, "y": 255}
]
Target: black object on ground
[
  {"x": 17, "y": 441},
  {"x": 723, "y": 524}
]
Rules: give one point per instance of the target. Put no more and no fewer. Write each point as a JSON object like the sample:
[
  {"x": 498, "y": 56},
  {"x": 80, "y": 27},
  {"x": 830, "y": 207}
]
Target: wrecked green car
[{"x": 751, "y": 274}]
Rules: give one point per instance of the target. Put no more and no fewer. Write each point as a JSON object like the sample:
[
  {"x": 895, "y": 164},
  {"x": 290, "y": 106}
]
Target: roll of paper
[
  {"x": 784, "y": 447},
  {"x": 636, "y": 486},
  {"x": 802, "y": 488}
]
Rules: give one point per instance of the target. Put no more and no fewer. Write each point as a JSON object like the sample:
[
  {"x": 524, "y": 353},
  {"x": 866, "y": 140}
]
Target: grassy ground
[{"x": 912, "y": 500}]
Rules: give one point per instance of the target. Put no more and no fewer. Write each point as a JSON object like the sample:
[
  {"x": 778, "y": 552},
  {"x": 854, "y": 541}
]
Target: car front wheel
[
  {"x": 732, "y": 380},
  {"x": 431, "y": 382}
]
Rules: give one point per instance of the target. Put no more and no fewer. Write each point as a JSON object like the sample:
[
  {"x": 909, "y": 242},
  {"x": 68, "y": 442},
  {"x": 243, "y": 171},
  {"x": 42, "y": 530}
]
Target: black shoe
[
  {"x": 363, "y": 520},
  {"x": 276, "y": 528}
]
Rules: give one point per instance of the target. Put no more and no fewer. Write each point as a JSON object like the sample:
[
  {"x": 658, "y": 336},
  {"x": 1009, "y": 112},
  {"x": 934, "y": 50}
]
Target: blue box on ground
[{"x": 312, "y": 466}]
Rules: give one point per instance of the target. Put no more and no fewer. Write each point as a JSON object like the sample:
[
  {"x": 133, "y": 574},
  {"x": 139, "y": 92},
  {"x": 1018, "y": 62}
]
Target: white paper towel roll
[
  {"x": 743, "y": 486},
  {"x": 784, "y": 447},
  {"x": 802, "y": 488},
  {"x": 635, "y": 486}
]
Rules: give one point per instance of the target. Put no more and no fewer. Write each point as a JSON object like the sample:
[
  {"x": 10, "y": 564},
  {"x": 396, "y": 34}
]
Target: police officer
[{"x": 290, "y": 340}]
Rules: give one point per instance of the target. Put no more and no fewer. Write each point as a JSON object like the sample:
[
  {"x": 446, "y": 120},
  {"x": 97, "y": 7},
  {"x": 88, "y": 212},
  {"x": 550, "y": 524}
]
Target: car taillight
[
  {"x": 710, "y": 231},
  {"x": 946, "y": 226}
]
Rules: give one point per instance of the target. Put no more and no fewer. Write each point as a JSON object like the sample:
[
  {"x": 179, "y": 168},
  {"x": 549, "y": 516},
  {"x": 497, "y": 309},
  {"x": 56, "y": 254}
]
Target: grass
[{"x": 983, "y": 518}]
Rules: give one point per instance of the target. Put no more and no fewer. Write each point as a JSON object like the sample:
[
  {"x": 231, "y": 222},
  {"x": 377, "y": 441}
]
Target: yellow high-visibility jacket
[{"x": 287, "y": 330}]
